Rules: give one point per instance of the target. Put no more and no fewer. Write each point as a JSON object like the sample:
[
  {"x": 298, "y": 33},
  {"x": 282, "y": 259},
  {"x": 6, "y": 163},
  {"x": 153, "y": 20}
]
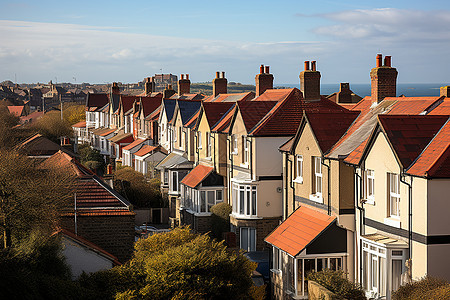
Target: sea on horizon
[{"x": 363, "y": 89}]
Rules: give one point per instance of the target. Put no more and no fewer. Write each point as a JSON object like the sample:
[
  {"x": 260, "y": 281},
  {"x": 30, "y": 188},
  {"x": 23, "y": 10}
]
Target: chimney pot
[
  {"x": 261, "y": 69},
  {"x": 313, "y": 65},
  {"x": 217, "y": 74},
  {"x": 267, "y": 70},
  {"x": 187, "y": 76},
  {"x": 223, "y": 75},
  {"x": 387, "y": 61},
  {"x": 379, "y": 60},
  {"x": 306, "y": 65},
  {"x": 182, "y": 76}
]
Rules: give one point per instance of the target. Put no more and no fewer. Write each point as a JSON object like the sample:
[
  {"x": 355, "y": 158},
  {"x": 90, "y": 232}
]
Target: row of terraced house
[{"x": 340, "y": 182}]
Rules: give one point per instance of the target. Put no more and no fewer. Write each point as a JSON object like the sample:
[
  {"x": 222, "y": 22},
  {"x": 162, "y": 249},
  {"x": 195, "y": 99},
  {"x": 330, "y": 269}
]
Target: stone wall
[
  {"x": 200, "y": 224},
  {"x": 318, "y": 292},
  {"x": 115, "y": 234}
]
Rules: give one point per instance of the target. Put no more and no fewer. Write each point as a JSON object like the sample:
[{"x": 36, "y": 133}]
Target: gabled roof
[
  {"x": 120, "y": 136},
  {"x": 442, "y": 109},
  {"x": 196, "y": 176},
  {"x": 150, "y": 104},
  {"x": 68, "y": 163},
  {"x": 169, "y": 108},
  {"x": 284, "y": 118},
  {"x": 192, "y": 122},
  {"x": 223, "y": 125},
  {"x": 34, "y": 116},
  {"x": 188, "y": 97},
  {"x": 16, "y": 110},
  {"x": 253, "y": 111},
  {"x": 134, "y": 144},
  {"x": 126, "y": 102},
  {"x": 187, "y": 108},
  {"x": 299, "y": 230},
  {"x": 214, "y": 111},
  {"x": 327, "y": 128},
  {"x": 38, "y": 145},
  {"x": 174, "y": 160},
  {"x": 96, "y": 101},
  {"x": 409, "y": 135},
  {"x": 88, "y": 244},
  {"x": 434, "y": 161}
]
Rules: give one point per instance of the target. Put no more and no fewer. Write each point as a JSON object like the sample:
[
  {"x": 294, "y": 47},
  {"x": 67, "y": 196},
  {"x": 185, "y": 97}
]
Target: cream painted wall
[
  {"x": 203, "y": 127},
  {"x": 438, "y": 206},
  {"x": 307, "y": 146},
  {"x": 381, "y": 159},
  {"x": 239, "y": 130},
  {"x": 267, "y": 160},
  {"x": 419, "y": 260},
  {"x": 269, "y": 199}
]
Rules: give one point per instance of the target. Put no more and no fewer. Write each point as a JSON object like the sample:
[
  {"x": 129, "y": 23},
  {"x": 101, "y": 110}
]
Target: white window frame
[
  {"x": 234, "y": 144},
  {"x": 172, "y": 183},
  {"x": 317, "y": 179},
  {"x": 250, "y": 233},
  {"x": 193, "y": 199},
  {"x": 393, "y": 195},
  {"x": 298, "y": 169},
  {"x": 245, "y": 152},
  {"x": 369, "y": 186},
  {"x": 199, "y": 139},
  {"x": 245, "y": 200},
  {"x": 208, "y": 145}
]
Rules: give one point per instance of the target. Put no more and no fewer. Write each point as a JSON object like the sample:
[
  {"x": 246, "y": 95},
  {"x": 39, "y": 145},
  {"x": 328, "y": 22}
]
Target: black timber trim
[
  {"x": 261, "y": 178},
  {"x": 343, "y": 211},
  {"x": 417, "y": 237}
]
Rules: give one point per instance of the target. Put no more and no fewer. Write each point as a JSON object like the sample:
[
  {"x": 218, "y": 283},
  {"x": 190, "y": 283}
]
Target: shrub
[
  {"x": 220, "y": 219},
  {"x": 426, "y": 288},
  {"x": 336, "y": 282}
]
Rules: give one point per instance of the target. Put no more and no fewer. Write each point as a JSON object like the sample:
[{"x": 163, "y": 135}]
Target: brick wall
[
  {"x": 263, "y": 228},
  {"x": 114, "y": 234},
  {"x": 383, "y": 83},
  {"x": 200, "y": 224}
]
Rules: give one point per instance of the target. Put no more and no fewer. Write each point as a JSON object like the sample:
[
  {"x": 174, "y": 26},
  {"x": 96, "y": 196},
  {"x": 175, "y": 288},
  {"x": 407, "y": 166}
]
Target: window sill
[
  {"x": 298, "y": 180},
  {"x": 277, "y": 272},
  {"x": 393, "y": 221},
  {"x": 234, "y": 152},
  {"x": 370, "y": 201},
  {"x": 198, "y": 214},
  {"x": 244, "y": 165},
  {"x": 240, "y": 216},
  {"x": 316, "y": 198}
]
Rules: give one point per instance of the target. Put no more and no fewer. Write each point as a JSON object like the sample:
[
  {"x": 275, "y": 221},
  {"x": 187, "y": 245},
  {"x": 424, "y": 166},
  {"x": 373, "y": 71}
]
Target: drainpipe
[
  {"x": 213, "y": 136},
  {"x": 402, "y": 180},
  {"x": 291, "y": 184},
  {"x": 286, "y": 185},
  {"x": 196, "y": 148},
  {"x": 358, "y": 194},
  {"x": 230, "y": 159},
  {"x": 329, "y": 180},
  {"x": 251, "y": 156}
]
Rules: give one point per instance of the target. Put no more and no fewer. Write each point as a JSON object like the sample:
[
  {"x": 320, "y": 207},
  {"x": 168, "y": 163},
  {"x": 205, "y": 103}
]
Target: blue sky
[{"x": 105, "y": 41}]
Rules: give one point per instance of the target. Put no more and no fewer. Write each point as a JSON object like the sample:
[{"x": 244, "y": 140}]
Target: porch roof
[
  {"x": 299, "y": 230},
  {"x": 385, "y": 240},
  {"x": 196, "y": 176},
  {"x": 174, "y": 160}
]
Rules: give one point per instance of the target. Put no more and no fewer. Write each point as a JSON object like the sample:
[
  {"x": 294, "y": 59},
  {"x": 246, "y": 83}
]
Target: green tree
[
  {"x": 74, "y": 113},
  {"x": 178, "y": 265},
  {"x": 30, "y": 197},
  {"x": 137, "y": 189},
  {"x": 53, "y": 127},
  {"x": 426, "y": 288},
  {"x": 220, "y": 219},
  {"x": 337, "y": 282},
  {"x": 91, "y": 158}
]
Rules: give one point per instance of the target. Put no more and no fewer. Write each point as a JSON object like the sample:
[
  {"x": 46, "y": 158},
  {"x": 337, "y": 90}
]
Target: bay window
[
  {"x": 244, "y": 199},
  {"x": 201, "y": 201}
]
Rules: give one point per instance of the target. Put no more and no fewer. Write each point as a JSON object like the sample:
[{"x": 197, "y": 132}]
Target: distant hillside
[{"x": 205, "y": 88}]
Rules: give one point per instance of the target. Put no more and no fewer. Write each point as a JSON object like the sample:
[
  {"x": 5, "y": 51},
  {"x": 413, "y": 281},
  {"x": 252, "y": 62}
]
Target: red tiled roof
[
  {"x": 90, "y": 194},
  {"x": 410, "y": 105},
  {"x": 299, "y": 230},
  {"x": 442, "y": 109},
  {"x": 89, "y": 244},
  {"x": 286, "y": 147},
  {"x": 145, "y": 150},
  {"x": 32, "y": 117},
  {"x": 95, "y": 101},
  {"x": 107, "y": 132},
  {"x": 235, "y": 97},
  {"x": 434, "y": 160},
  {"x": 193, "y": 120},
  {"x": 285, "y": 116},
  {"x": 150, "y": 104},
  {"x": 134, "y": 144},
  {"x": 16, "y": 110},
  {"x": 329, "y": 127},
  {"x": 223, "y": 125},
  {"x": 81, "y": 124},
  {"x": 214, "y": 111},
  {"x": 274, "y": 95},
  {"x": 64, "y": 161},
  {"x": 126, "y": 102},
  {"x": 409, "y": 135},
  {"x": 355, "y": 156},
  {"x": 196, "y": 176},
  {"x": 253, "y": 111},
  {"x": 101, "y": 213}
]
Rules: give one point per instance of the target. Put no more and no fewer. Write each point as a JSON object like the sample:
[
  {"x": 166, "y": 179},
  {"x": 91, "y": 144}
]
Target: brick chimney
[
  {"x": 219, "y": 84},
  {"x": 383, "y": 79},
  {"x": 184, "y": 85},
  {"x": 345, "y": 94},
  {"x": 115, "y": 88},
  {"x": 310, "y": 82},
  {"x": 168, "y": 92},
  {"x": 263, "y": 80},
  {"x": 149, "y": 85},
  {"x": 445, "y": 91}
]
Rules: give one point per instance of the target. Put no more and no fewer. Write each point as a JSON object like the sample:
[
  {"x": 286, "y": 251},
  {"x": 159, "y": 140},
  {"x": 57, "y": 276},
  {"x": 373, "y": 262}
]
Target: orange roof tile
[
  {"x": 411, "y": 105},
  {"x": 214, "y": 111},
  {"x": 196, "y": 176},
  {"x": 235, "y": 97},
  {"x": 223, "y": 125},
  {"x": 434, "y": 160},
  {"x": 274, "y": 95},
  {"x": 107, "y": 132},
  {"x": 134, "y": 144},
  {"x": 299, "y": 230},
  {"x": 442, "y": 109},
  {"x": 16, "y": 110},
  {"x": 253, "y": 111},
  {"x": 145, "y": 150},
  {"x": 81, "y": 124}
]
